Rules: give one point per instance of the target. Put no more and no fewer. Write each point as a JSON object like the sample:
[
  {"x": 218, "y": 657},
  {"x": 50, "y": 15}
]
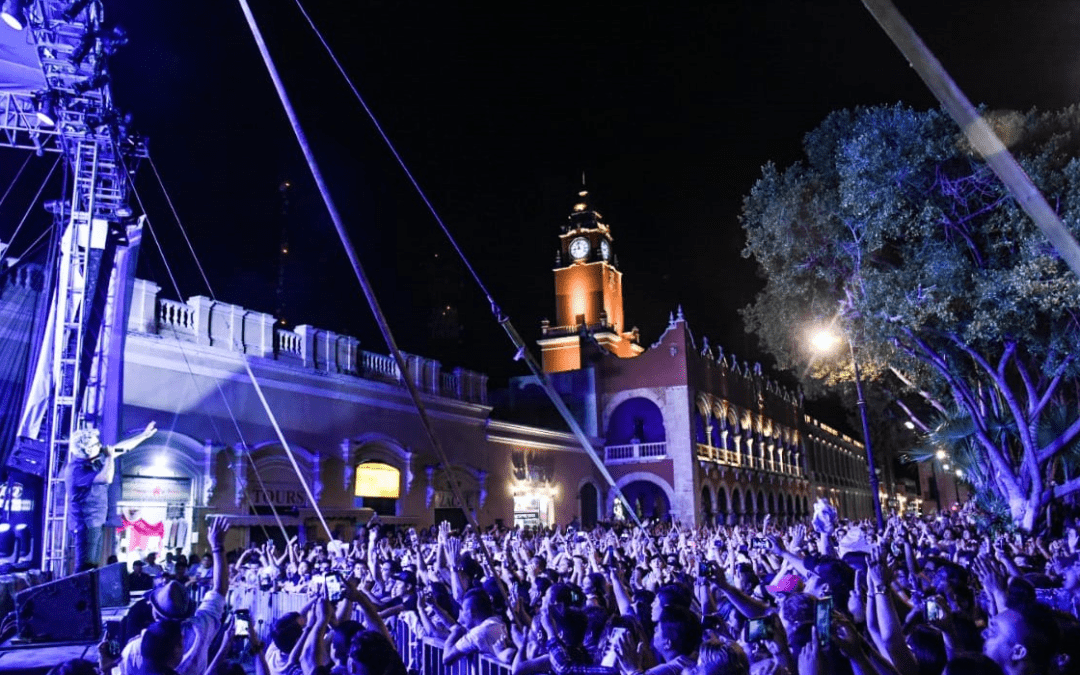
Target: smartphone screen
[
  {"x": 823, "y": 620},
  {"x": 759, "y": 629},
  {"x": 610, "y": 659},
  {"x": 112, "y": 634},
  {"x": 335, "y": 588},
  {"x": 934, "y": 612},
  {"x": 242, "y": 625}
]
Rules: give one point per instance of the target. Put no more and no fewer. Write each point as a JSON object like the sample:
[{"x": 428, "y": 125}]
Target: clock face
[
  {"x": 579, "y": 248},
  {"x": 605, "y": 249}
]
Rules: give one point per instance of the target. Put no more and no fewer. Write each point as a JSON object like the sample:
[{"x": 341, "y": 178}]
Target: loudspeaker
[
  {"x": 112, "y": 584},
  {"x": 65, "y": 610}
]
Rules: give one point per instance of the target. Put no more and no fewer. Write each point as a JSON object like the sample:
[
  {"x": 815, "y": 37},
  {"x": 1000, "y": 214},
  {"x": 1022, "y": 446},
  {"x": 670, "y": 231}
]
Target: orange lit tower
[{"x": 588, "y": 294}]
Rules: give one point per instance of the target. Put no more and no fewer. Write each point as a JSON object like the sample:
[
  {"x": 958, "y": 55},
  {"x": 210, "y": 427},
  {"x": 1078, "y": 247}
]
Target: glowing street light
[{"x": 823, "y": 341}]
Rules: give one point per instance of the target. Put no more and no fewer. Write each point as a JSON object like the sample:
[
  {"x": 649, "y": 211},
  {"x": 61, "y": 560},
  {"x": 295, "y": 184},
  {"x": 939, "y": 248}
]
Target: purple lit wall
[{"x": 637, "y": 418}]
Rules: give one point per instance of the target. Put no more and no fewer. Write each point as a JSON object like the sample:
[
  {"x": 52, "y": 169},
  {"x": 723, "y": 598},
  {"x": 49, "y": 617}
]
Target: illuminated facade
[
  {"x": 687, "y": 431},
  {"x": 588, "y": 294}
]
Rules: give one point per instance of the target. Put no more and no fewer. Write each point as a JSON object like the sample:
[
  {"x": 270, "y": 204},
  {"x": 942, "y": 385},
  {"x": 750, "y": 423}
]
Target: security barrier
[{"x": 420, "y": 654}]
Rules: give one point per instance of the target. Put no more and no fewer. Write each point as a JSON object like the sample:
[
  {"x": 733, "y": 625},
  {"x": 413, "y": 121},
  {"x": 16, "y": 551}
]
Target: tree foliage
[{"x": 892, "y": 229}]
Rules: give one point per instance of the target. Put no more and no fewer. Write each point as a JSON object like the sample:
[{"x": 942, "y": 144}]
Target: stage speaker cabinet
[
  {"x": 113, "y": 590},
  {"x": 65, "y": 610},
  {"x": 29, "y": 456}
]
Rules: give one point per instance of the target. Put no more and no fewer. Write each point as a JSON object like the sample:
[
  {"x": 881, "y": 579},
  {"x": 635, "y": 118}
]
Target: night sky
[{"x": 670, "y": 109}]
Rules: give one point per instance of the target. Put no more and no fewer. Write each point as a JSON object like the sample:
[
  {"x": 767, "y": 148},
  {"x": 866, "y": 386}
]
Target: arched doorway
[
  {"x": 706, "y": 505},
  {"x": 636, "y": 420},
  {"x": 647, "y": 499},
  {"x": 590, "y": 505},
  {"x": 736, "y": 507}
]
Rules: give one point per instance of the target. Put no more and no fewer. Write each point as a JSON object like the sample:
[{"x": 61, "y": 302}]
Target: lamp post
[{"x": 822, "y": 341}]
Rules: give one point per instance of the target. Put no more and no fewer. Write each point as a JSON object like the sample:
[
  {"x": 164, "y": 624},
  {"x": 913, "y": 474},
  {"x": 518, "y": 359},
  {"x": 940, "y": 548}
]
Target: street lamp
[{"x": 823, "y": 341}]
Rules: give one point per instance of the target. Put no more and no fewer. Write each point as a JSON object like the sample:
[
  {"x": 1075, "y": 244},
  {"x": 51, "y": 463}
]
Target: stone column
[
  {"x": 143, "y": 316},
  {"x": 259, "y": 334},
  {"x": 200, "y": 309}
]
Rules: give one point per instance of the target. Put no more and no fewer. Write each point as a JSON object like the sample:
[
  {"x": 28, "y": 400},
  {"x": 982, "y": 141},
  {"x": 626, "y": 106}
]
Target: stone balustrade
[
  {"x": 220, "y": 325},
  {"x": 733, "y": 458},
  {"x": 631, "y": 452}
]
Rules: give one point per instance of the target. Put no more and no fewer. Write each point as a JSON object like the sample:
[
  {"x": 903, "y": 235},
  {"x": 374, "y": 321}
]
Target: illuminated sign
[
  {"x": 144, "y": 489},
  {"x": 278, "y": 494},
  {"x": 377, "y": 480}
]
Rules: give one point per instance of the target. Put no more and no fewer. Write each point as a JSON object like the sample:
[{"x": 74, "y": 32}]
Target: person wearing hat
[
  {"x": 170, "y": 601},
  {"x": 162, "y": 647},
  {"x": 139, "y": 580},
  {"x": 402, "y": 596},
  {"x": 89, "y": 472}
]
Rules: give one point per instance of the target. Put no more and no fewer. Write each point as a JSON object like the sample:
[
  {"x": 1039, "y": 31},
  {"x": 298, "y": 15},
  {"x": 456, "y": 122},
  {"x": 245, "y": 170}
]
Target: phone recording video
[
  {"x": 335, "y": 587},
  {"x": 823, "y": 620},
  {"x": 114, "y": 638},
  {"x": 241, "y": 623},
  {"x": 934, "y": 610},
  {"x": 759, "y": 630},
  {"x": 760, "y": 544},
  {"x": 610, "y": 658}
]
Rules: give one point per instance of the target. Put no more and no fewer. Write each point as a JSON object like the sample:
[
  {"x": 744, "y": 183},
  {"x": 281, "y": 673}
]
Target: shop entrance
[
  {"x": 155, "y": 516},
  {"x": 532, "y": 509}
]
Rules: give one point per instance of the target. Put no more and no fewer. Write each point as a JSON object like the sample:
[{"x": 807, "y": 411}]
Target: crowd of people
[{"x": 924, "y": 596}]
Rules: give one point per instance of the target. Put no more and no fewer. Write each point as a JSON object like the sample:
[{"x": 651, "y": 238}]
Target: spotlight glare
[{"x": 13, "y": 14}]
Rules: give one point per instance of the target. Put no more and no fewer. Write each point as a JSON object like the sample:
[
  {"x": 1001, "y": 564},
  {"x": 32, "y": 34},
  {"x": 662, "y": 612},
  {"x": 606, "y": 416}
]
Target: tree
[{"x": 893, "y": 229}]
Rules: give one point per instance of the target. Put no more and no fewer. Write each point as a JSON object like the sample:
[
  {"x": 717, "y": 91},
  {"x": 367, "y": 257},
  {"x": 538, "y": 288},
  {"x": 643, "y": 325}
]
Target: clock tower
[{"x": 588, "y": 294}]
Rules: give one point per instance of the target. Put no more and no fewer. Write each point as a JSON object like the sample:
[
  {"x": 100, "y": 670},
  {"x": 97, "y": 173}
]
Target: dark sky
[{"x": 670, "y": 109}]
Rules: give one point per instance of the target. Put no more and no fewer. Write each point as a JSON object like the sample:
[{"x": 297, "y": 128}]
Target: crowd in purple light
[{"x": 926, "y": 595}]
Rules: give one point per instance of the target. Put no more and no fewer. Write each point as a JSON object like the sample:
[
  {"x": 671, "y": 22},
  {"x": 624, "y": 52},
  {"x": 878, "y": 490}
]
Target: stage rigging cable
[
  {"x": 183, "y": 352},
  {"x": 522, "y": 350}
]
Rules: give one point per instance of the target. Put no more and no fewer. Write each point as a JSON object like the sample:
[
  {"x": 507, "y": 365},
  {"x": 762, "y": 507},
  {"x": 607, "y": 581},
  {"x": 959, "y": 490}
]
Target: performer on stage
[{"x": 90, "y": 469}]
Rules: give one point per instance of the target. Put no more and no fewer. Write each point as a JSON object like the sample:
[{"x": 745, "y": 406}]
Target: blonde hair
[{"x": 83, "y": 439}]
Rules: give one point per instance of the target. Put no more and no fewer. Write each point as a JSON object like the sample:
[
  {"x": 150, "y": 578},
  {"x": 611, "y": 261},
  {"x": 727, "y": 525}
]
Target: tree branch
[
  {"x": 1052, "y": 386},
  {"x": 937, "y": 405},
  {"x": 968, "y": 401},
  {"x": 1001, "y": 384}
]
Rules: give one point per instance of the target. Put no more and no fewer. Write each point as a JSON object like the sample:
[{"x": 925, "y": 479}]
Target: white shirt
[
  {"x": 483, "y": 638},
  {"x": 198, "y": 631}
]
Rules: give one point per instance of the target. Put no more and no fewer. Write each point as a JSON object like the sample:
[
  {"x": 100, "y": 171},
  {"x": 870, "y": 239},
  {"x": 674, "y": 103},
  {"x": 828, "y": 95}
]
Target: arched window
[{"x": 636, "y": 420}]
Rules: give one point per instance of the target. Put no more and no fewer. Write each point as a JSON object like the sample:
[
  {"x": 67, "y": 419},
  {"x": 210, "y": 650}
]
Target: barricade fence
[{"x": 421, "y": 654}]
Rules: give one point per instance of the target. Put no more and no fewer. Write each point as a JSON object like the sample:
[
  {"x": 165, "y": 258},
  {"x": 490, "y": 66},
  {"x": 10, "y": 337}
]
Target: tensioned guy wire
[
  {"x": 503, "y": 320},
  {"x": 183, "y": 352}
]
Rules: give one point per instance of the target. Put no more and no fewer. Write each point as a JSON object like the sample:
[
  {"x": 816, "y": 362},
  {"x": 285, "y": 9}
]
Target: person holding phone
[{"x": 172, "y": 602}]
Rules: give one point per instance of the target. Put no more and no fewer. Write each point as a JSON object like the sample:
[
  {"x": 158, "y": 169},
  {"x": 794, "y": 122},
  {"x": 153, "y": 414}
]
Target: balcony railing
[
  {"x": 219, "y": 325},
  {"x": 732, "y": 458},
  {"x": 633, "y": 452}
]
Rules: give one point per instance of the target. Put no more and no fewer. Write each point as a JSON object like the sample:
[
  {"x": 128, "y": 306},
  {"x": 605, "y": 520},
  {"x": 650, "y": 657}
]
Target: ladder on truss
[
  {"x": 83, "y": 235},
  {"x": 72, "y": 50}
]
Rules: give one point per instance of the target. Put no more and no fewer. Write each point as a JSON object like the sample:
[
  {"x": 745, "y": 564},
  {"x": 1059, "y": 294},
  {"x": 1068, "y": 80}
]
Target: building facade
[{"x": 689, "y": 432}]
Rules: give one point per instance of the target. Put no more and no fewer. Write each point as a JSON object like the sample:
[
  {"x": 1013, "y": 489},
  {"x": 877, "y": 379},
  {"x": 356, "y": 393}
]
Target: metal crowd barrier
[{"x": 421, "y": 654}]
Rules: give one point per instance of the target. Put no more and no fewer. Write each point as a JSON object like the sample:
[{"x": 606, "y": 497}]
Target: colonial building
[{"x": 688, "y": 431}]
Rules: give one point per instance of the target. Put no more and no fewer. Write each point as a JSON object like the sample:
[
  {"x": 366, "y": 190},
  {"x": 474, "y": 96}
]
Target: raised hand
[
  {"x": 219, "y": 525},
  {"x": 810, "y": 657}
]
